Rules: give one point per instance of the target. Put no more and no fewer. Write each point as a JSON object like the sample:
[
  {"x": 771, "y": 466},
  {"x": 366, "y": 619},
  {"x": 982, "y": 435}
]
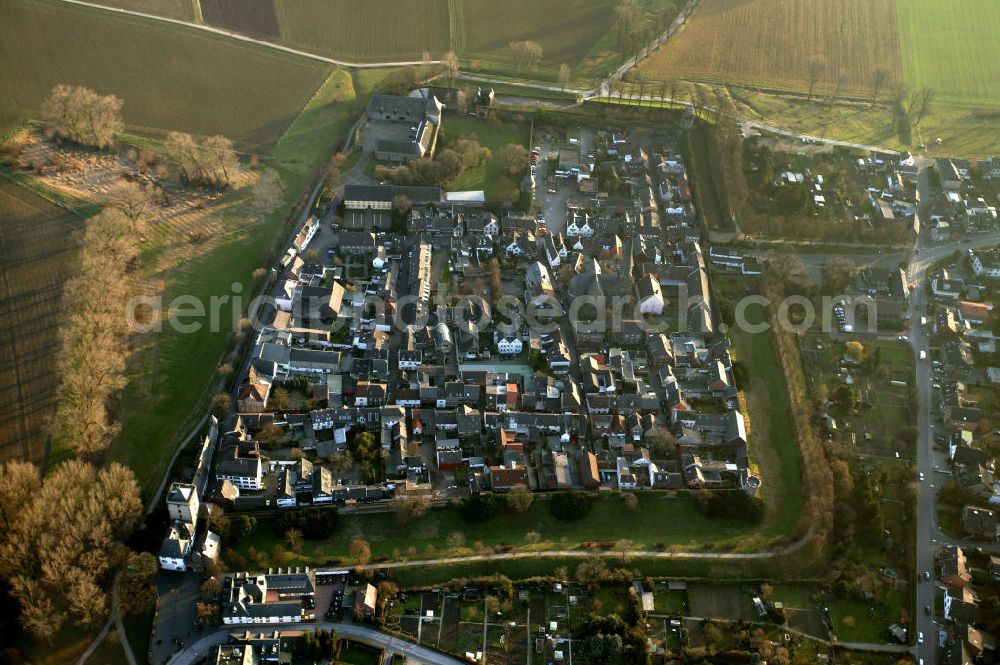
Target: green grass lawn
[
  {"x": 67, "y": 646},
  {"x": 491, "y": 136},
  {"x": 138, "y": 627},
  {"x": 352, "y": 653},
  {"x": 952, "y": 48},
  {"x": 326, "y": 117},
  {"x": 422, "y": 576},
  {"x": 964, "y": 130},
  {"x": 771, "y": 442},
  {"x": 797, "y": 596},
  {"x": 109, "y": 652},
  {"x": 670, "y": 602},
  {"x": 857, "y": 620},
  {"x": 664, "y": 519},
  {"x": 607, "y": 600}
]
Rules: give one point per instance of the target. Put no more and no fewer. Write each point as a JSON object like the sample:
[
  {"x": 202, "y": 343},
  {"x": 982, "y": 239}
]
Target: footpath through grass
[{"x": 663, "y": 521}]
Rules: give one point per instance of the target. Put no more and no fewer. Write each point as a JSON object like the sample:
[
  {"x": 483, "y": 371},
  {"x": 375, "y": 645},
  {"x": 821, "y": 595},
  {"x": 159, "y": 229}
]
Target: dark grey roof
[
  {"x": 385, "y": 193},
  {"x": 400, "y": 147},
  {"x": 413, "y": 107}
]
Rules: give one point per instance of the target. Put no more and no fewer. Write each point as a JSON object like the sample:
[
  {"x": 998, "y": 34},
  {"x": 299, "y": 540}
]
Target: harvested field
[
  {"x": 366, "y": 30},
  {"x": 38, "y": 246},
  {"x": 952, "y": 48},
  {"x": 291, "y": 111},
  {"x": 769, "y": 43},
  {"x": 578, "y": 33},
  {"x": 166, "y": 76},
  {"x": 567, "y": 30},
  {"x": 182, "y": 10},
  {"x": 251, "y": 17}
]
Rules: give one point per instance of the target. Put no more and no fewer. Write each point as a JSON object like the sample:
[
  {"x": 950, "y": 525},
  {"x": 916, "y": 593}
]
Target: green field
[
  {"x": 366, "y": 30},
  {"x": 37, "y": 253},
  {"x": 167, "y": 76},
  {"x": 952, "y": 48},
  {"x": 663, "y": 520},
  {"x": 491, "y": 136},
  {"x": 771, "y": 443}
]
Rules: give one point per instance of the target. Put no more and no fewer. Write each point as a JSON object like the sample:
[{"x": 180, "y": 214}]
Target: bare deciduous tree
[
  {"x": 182, "y": 149},
  {"x": 815, "y": 66},
  {"x": 526, "y": 54},
  {"x": 564, "y": 75},
  {"x": 137, "y": 586},
  {"x": 879, "y": 78},
  {"x": 506, "y": 191},
  {"x": 920, "y": 105},
  {"x": 520, "y": 498},
  {"x": 360, "y": 551},
  {"x": 294, "y": 539},
  {"x": 134, "y": 201},
  {"x": 57, "y": 555},
  {"x": 18, "y": 483},
  {"x": 786, "y": 266},
  {"x": 408, "y": 510},
  {"x": 513, "y": 158},
  {"x": 842, "y": 75},
  {"x": 213, "y": 162},
  {"x": 450, "y": 64},
  {"x": 92, "y": 362},
  {"x": 81, "y": 115},
  {"x": 222, "y": 164}
]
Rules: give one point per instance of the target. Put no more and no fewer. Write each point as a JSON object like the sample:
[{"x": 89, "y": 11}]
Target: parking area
[
  {"x": 330, "y": 590},
  {"x": 174, "y": 624},
  {"x": 383, "y": 130},
  {"x": 355, "y": 220}
]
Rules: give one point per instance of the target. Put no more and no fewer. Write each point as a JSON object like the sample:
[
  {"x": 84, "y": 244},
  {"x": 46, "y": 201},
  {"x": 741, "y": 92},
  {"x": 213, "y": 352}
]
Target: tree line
[
  {"x": 94, "y": 336},
  {"x": 816, "y": 519},
  {"x": 82, "y": 116},
  {"x": 62, "y": 543}
]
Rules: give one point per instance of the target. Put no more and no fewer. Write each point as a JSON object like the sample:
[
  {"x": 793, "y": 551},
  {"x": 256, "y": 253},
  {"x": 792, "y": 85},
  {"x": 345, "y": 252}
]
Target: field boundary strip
[
  {"x": 250, "y": 40},
  {"x": 456, "y": 26}
]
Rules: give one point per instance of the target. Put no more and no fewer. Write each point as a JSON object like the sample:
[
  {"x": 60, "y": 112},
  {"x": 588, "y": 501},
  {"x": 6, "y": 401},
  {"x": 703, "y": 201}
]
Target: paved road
[
  {"x": 414, "y": 653},
  {"x": 928, "y": 532},
  {"x": 814, "y": 262}
]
